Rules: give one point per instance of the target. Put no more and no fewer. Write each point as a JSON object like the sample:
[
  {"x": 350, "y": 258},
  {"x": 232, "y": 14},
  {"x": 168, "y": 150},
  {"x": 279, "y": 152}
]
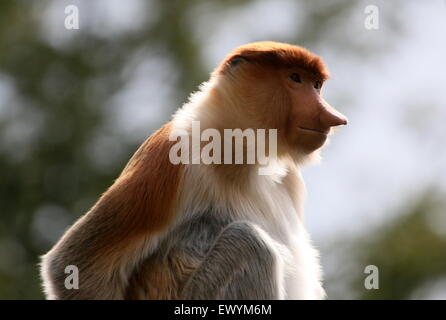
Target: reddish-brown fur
[
  {"x": 108, "y": 242},
  {"x": 277, "y": 55},
  {"x": 143, "y": 196}
]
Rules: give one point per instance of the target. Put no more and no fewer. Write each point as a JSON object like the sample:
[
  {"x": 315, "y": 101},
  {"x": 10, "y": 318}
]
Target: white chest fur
[
  {"x": 275, "y": 212},
  {"x": 275, "y": 207}
]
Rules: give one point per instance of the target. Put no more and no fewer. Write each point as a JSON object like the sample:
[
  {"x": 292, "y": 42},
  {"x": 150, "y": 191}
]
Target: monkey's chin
[{"x": 309, "y": 141}]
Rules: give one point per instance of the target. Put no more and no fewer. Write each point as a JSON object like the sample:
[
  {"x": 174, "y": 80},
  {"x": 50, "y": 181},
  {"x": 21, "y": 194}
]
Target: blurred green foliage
[
  {"x": 409, "y": 253},
  {"x": 55, "y": 109}
]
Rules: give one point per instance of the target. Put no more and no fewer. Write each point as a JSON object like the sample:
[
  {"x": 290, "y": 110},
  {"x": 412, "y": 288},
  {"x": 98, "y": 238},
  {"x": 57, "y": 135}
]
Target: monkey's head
[{"x": 274, "y": 85}]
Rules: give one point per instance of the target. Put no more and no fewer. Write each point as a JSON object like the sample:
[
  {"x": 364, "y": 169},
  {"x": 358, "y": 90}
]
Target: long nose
[{"x": 330, "y": 117}]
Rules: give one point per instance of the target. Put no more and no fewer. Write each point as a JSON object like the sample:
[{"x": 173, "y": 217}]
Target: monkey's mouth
[{"x": 318, "y": 131}]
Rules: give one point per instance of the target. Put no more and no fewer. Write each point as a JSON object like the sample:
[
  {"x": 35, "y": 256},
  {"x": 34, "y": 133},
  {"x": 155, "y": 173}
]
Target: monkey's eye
[
  {"x": 318, "y": 84},
  {"x": 295, "y": 77}
]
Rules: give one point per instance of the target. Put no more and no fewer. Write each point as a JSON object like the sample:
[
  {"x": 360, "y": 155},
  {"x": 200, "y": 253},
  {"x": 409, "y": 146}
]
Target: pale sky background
[{"x": 383, "y": 157}]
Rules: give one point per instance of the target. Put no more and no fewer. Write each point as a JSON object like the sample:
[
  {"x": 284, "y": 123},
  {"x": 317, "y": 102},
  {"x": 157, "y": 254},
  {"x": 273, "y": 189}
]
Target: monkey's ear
[
  {"x": 236, "y": 60},
  {"x": 230, "y": 64}
]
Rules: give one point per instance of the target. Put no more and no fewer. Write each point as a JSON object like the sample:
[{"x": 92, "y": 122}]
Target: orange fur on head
[
  {"x": 278, "y": 55},
  {"x": 254, "y": 95}
]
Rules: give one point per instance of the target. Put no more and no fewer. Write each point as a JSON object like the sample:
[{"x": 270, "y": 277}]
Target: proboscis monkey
[{"x": 218, "y": 230}]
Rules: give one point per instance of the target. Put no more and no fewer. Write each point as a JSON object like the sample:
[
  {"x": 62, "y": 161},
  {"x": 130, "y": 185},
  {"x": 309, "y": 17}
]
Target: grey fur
[
  {"x": 78, "y": 247},
  {"x": 234, "y": 261},
  {"x": 240, "y": 265}
]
